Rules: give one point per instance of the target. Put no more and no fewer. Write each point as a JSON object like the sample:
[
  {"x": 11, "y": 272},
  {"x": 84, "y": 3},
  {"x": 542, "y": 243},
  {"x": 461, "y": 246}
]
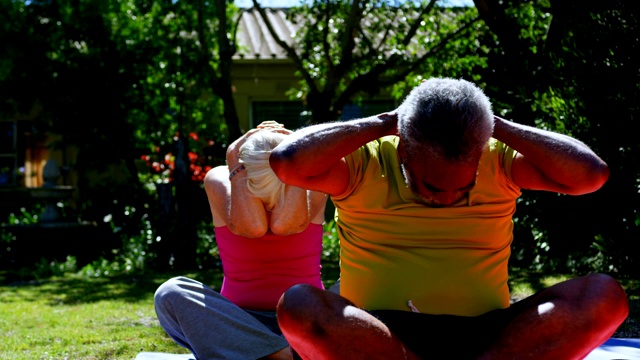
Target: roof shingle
[{"x": 255, "y": 41}]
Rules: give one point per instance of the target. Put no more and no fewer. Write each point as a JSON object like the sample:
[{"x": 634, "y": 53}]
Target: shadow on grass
[
  {"x": 75, "y": 289},
  {"x": 521, "y": 277},
  {"x": 536, "y": 280}
]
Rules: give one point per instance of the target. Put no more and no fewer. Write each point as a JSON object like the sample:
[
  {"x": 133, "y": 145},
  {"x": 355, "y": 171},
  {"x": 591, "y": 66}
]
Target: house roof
[
  {"x": 253, "y": 37},
  {"x": 256, "y": 43}
]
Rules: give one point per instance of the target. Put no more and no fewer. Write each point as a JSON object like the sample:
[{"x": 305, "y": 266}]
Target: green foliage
[
  {"x": 171, "y": 96},
  {"x": 46, "y": 269},
  {"x": 26, "y": 216},
  {"x": 208, "y": 255},
  {"x": 115, "y": 79},
  {"x": 567, "y": 66},
  {"x": 134, "y": 254},
  {"x": 330, "y": 243},
  {"x": 347, "y": 51},
  {"x": 330, "y": 259}
]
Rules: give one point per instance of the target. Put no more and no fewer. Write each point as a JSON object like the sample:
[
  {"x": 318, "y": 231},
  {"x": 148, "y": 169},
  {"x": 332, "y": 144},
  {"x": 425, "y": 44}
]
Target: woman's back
[
  {"x": 255, "y": 281},
  {"x": 267, "y": 240}
]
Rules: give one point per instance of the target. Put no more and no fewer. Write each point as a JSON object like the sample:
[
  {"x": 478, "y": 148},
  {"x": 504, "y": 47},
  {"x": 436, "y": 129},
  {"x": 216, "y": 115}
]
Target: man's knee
[
  {"x": 304, "y": 308},
  {"x": 612, "y": 297},
  {"x": 297, "y": 300}
]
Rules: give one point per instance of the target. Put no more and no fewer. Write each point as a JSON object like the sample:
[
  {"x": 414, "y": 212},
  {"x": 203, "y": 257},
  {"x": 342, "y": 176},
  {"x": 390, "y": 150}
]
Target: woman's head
[{"x": 262, "y": 182}]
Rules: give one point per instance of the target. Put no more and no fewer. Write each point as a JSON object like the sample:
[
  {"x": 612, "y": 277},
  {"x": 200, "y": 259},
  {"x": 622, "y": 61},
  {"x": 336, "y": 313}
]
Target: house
[
  {"x": 262, "y": 72},
  {"x": 262, "y": 75}
]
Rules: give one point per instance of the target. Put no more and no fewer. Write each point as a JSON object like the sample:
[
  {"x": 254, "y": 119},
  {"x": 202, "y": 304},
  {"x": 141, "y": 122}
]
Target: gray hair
[
  {"x": 448, "y": 118},
  {"x": 262, "y": 182}
]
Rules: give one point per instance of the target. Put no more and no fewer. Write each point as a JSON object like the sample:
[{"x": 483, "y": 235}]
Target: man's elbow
[
  {"x": 601, "y": 175},
  {"x": 281, "y": 161},
  {"x": 594, "y": 181}
]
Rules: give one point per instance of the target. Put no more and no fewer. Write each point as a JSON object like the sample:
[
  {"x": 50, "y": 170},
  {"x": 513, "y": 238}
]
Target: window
[
  {"x": 294, "y": 115},
  {"x": 8, "y": 153},
  {"x": 366, "y": 108},
  {"x": 289, "y": 113}
]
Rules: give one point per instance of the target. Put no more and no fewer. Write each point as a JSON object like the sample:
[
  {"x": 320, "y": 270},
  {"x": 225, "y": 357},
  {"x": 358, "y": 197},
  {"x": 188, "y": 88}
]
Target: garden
[{"x": 139, "y": 99}]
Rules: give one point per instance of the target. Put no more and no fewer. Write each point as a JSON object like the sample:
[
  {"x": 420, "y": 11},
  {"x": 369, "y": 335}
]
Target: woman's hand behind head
[
  {"x": 273, "y": 126},
  {"x": 270, "y": 124}
]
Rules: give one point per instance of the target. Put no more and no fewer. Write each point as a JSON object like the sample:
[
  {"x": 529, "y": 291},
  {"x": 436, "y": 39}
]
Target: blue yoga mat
[{"x": 614, "y": 348}]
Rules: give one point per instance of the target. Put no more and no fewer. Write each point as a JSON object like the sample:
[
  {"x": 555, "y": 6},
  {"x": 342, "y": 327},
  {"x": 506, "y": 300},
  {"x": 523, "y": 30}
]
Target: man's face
[{"x": 438, "y": 182}]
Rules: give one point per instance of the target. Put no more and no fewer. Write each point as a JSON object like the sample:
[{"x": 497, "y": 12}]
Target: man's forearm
[
  {"x": 313, "y": 150},
  {"x": 562, "y": 159}
]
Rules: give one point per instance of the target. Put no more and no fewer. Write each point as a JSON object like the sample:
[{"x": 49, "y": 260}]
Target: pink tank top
[{"x": 258, "y": 270}]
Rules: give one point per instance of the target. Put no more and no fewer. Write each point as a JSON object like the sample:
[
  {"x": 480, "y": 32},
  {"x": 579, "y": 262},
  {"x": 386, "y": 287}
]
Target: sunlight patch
[{"x": 546, "y": 307}]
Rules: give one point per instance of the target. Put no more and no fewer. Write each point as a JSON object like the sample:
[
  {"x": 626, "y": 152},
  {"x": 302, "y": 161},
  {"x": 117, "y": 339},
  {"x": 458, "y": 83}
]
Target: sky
[{"x": 290, "y": 3}]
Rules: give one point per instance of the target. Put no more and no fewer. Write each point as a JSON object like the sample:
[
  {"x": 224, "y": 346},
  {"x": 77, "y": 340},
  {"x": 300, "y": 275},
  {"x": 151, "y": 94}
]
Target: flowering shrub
[{"x": 161, "y": 164}]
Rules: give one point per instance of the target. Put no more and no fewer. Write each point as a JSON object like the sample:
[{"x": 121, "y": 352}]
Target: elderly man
[{"x": 425, "y": 197}]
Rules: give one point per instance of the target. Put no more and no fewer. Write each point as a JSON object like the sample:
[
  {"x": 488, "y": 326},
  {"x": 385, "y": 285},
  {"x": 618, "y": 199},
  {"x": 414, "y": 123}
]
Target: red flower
[{"x": 162, "y": 167}]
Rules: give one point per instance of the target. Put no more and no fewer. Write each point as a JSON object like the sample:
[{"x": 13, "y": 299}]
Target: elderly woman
[{"x": 269, "y": 237}]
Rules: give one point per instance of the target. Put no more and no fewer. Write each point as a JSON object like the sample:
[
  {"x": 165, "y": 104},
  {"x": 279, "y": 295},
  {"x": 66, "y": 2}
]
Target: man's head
[{"x": 444, "y": 125}]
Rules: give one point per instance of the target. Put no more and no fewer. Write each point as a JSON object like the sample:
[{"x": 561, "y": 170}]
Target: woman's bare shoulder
[
  {"x": 217, "y": 188},
  {"x": 217, "y": 176}
]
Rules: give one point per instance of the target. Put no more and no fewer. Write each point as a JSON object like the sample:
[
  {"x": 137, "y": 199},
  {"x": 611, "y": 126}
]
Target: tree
[
  {"x": 63, "y": 65},
  {"x": 176, "y": 96},
  {"x": 595, "y": 58},
  {"x": 568, "y": 66},
  {"x": 218, "y": 68},
  {"x": 345, "y": 50},
  {"x": 111, "y": 77},
  {"x": 191, "y": 73}
]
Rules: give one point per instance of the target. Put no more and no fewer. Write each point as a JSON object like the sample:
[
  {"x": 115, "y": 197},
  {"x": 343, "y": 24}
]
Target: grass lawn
[
  {"x": 80, "y": 318},
  {"x": 113, "y": 318}
]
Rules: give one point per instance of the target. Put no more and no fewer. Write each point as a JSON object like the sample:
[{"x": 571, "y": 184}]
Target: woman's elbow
[
  {"x": 284, "y": 228},
  {"x": 254, "y": 231}
]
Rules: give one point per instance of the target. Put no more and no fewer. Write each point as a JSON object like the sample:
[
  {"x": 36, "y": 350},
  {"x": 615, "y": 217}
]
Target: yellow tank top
[{"x": 447, "y": 260}]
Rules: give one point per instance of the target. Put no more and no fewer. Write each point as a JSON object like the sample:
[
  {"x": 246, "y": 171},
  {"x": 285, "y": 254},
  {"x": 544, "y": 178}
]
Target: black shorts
[{"x": 444, "y": 336}]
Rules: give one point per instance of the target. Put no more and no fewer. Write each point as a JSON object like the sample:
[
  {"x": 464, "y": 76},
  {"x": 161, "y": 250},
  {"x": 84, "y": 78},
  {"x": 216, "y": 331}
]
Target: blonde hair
[{"x": 262, "y": 182}]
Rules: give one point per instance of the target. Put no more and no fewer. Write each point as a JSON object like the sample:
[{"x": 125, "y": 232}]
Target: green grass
[
  {"x": 113, "y": 318},
  {"x": 81, "y": 318}
]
